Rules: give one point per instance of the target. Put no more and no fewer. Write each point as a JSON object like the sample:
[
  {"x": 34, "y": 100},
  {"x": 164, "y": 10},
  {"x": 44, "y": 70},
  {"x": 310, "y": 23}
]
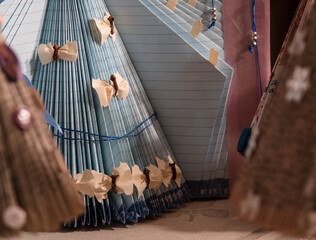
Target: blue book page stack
[
  {"x": 186, "y": 90},
  {"x": 95, "y": 137}
]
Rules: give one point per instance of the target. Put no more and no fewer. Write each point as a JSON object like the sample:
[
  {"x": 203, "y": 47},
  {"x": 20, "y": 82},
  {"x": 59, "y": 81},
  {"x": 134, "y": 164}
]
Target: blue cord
[
  {"x": 255, "y": 43},
  {"x": 103, "y": 138},
  {"x": 214, "y": 15}
]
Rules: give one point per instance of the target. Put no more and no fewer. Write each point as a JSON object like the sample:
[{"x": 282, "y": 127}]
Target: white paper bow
[
  {"x": 106, "y": 91},
  {"x": 93, "y": 183},
  {"x": 124, "y": 182},
  {"x": 106, "y": 20},
  {"x": 97, "y": 184},
  {"x": 139, "y": 178},
  {"x": 167, "y": 173},
  {"x": 69, "y": 52},
  {"x": 103, "y": 29}
]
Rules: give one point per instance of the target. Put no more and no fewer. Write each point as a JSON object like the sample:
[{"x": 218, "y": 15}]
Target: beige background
[{"x": 194, "y": 221}]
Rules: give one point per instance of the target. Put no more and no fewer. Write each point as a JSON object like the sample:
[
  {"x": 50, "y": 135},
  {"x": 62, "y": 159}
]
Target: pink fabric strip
[{"x": 244, "y": 95}]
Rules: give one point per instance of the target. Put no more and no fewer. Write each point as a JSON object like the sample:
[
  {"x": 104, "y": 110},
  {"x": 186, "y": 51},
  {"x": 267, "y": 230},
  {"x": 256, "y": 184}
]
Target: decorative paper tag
[
  {"x": 213, "y": 57},
  {"x": 197, "y": 27},
  {"x": 171, "y": 4},
  {"x": 192, "y": 2}
]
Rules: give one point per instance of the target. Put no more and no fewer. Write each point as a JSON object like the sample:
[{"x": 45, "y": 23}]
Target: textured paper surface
[
  {"x": 213, "y": 57},
  {"x": 197, "y": 27},
  {"x": 171, "y": 4}
]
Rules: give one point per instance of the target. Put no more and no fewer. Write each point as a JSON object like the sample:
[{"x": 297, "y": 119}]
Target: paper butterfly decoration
[
  {"x": 48, "y": 53},
  {"x": 104, "y": 28},
  {"x": 118, "y": 87},
  {"x": 169, "y": 171},
  {"x": 96, "y": 184},
  {"x": 151, "y": 178}
]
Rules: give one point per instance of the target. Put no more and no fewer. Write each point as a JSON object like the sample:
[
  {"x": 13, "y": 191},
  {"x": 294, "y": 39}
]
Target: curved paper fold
[
  {"x": 123, "y": 86},
  {"x": 68, "y": 52},
  {"x": 124, "y": 182},
  {"x": 107, "y": 22},
  {"x": 103, "y": 30},
  {"x": 166, "y": 171},
  {"x": 155, "y": 177},
  {"x": 104, "y": 91},
  {"x": 92, "y": 183},
  {"x": 139, "y": 180},
  {"x": 178, "y": 172}
]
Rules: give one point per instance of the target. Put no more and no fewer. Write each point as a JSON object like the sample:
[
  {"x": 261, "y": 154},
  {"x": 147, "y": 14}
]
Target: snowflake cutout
[
  {"x": 298, "y": 45},
  {"x": 298, "y": 84},
  {"x": 249, "y": 207}
]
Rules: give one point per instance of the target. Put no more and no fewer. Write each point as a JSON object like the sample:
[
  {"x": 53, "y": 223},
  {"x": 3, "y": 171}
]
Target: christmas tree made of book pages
[{"x": 186, "y": 90}]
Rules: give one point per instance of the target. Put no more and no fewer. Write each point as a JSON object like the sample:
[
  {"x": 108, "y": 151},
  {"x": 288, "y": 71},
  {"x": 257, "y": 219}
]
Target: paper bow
[
  {"x": 118, "y": 87},
  {"x": 48, "y": 53},
  {"x": 123, "y": 182},
  {"x": 109, "y": 20},
  {"x": 169, "y": 171},
  {"x": 96, "y": 184},
  {"x": 104, "y": 28},
  {"x": 93, "y": 183},
  {"x": 150, "y": 178}
]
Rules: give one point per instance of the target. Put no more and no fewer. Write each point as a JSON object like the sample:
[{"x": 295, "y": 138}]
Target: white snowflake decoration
[
  {"x": 298, "y": 45},
  {"x": 298, "y": 84},
  {"x": 249, "y": 207}
]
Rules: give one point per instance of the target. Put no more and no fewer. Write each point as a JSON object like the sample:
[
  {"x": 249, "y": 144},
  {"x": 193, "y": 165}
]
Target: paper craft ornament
[
  {"x": 118, "y": 87},
  {"x": 150, "y": 178},
  {"x": 37, "y": 192},
  {"x": 169, "y": 171},
  {"x": 48, "y": 53},
  {"x": 95, "y": 137},
  {"x": 192, "y": 3},
  {"x": 193, "y": 132},
  {"x": 277, "y": 187},
  {"x": 103, "y": 29},
  {"x": 197, "y": 27},
  {"x": 171, "y": 4},
  {"x": 97, "y": 184}
]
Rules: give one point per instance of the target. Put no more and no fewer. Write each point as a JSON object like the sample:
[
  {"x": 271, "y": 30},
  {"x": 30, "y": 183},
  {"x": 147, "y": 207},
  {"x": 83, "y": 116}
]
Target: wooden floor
[{"x": 197, "y": 220}]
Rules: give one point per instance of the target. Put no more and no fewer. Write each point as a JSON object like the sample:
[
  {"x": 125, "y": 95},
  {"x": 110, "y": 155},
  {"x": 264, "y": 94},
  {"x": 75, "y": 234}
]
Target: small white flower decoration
[
  {"x": 249, "y": 207},
  {"x": 298, "y": 44},
  {"x": 252, "y": 144},
  {"x": 298, "y": 84},
  {"x": 312, "y": 224}
]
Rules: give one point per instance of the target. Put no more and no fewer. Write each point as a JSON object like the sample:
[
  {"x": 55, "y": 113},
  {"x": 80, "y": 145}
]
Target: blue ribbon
[
  {"x": 47, "y": 117},
  {"x": 104, "y": 138},
  {"x": 213, "y": 22},
  {"x": 254, "y": 29}
]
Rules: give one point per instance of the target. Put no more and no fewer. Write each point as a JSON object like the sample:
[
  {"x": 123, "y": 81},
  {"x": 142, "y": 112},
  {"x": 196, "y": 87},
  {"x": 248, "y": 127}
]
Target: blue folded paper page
[{"x": 48, "y": 118}]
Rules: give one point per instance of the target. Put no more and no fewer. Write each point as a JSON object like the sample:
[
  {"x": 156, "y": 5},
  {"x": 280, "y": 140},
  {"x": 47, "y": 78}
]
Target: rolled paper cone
[{"x": 41, "y": 183}]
